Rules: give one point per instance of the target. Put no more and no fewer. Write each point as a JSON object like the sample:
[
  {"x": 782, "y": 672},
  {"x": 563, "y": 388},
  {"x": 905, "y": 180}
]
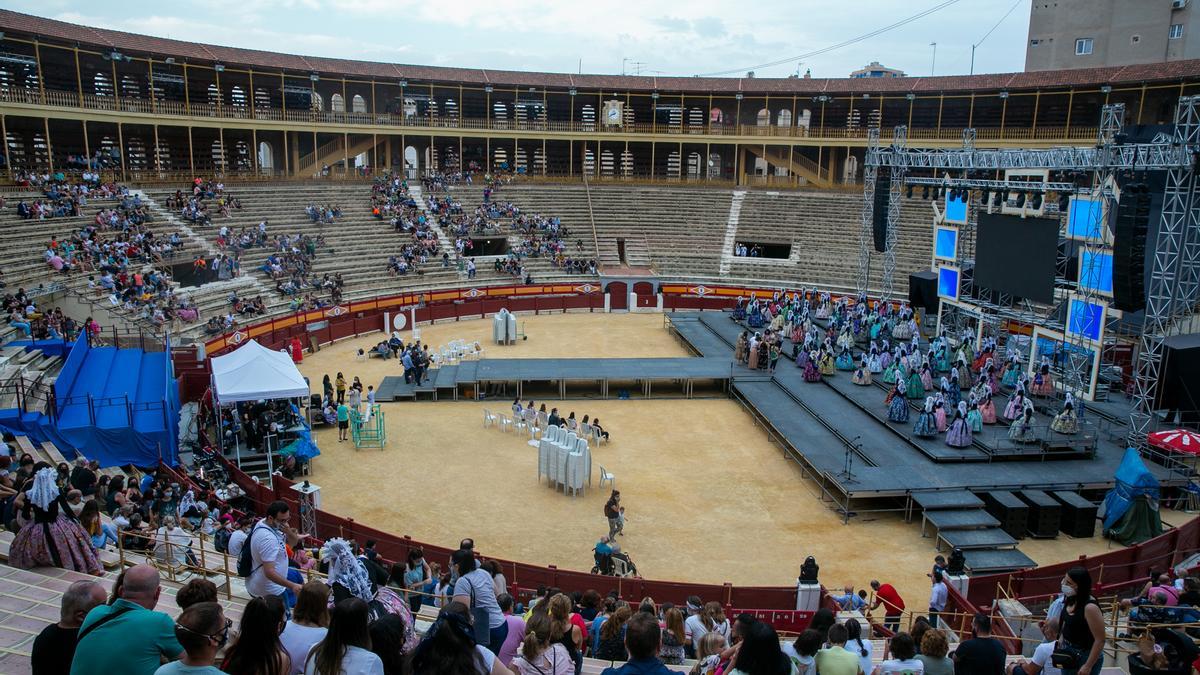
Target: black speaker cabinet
[
  {"x": 1012, "y": 513},
  {"x": 922, "y": 290},
  {"x": 1078, "y": 515},
  {"x": 1045, "y": 514},
  {"x": 883, "y": 187},
  {"x": 1179, "y": 374}
]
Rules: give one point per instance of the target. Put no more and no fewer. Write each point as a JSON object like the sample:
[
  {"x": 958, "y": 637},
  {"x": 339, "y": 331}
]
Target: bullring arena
[{"x": 870, "y": 321}]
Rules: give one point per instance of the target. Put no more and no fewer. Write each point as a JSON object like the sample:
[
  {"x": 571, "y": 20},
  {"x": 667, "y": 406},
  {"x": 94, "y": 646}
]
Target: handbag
[
  {"x": 1067, "y": 656},
  {"x": 480, "y": 620}
]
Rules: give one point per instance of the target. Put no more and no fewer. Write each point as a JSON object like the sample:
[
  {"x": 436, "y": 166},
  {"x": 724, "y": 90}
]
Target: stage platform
[
  {"x": 818, "y": 422},
  {"x": 672, "y": 376}
]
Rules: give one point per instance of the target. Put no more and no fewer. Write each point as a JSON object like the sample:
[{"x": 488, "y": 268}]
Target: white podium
[
  {"x": 310, "y": 501},
  {"x": 808, "y": 597}
]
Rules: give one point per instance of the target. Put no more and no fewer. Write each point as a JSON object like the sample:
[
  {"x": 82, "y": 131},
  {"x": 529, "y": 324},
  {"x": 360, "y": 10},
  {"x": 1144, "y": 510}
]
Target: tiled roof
[{"x": 18, "y": 23}]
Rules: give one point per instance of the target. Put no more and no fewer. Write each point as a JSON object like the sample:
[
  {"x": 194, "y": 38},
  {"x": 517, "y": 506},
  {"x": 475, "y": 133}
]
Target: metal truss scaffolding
[
  {"x": 1173, "y": 273},
  {"x": 865, "y": 230},
  {"x": 899, "y": 142}
]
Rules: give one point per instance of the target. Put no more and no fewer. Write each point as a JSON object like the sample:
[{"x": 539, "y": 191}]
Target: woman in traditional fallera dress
[
  {"x": 974, "y": 418},
  {"x": 825, "y": 363},
  {"x": 959, "y": 433},
  {"x": 926, "y": 376},
  {"x": 862, "y": 375},
  {"x": 50, "y": 535},
  {"x": 844, "y": 360},
  {"x": 926, "y": 426},
  {"x": 916, "y": 386},
  {"x": 1016, "y": 405},
  {"x": 874, "y": 362},
  {"x": 753, "y": 354},
  {"x": 987, "y": 409},
  {"x": 951, "y": 392},
  {"x": 1011, "y": 372},
  {"x": 1021, "y": 430},
  {"x": 898, "y": 403},
  {"x": 1066, "y": 422},
  {"x": 939, "y": 413},
  {"x": 739, "y": 349},
  {"x": 811, "y": 372}
]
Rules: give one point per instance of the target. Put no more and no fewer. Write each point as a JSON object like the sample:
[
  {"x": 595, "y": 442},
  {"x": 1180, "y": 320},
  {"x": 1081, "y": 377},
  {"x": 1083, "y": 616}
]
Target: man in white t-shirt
[
  {"x": 268, "y": 555},
  {"x": 1040, "y": 663}
]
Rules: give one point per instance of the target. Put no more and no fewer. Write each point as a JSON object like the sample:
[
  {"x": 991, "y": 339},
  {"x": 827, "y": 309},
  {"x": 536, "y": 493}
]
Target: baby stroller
[{"x": 613, "y": 564}]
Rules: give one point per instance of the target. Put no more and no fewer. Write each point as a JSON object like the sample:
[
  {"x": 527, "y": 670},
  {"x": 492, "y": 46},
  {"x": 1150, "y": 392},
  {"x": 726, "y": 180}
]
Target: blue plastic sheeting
[
  {"x": 47, "y": 347},
  {"x": 70, "y": 369},
  {"x": 1133, "y": 480},
  {"x": 122, "y": 407}
]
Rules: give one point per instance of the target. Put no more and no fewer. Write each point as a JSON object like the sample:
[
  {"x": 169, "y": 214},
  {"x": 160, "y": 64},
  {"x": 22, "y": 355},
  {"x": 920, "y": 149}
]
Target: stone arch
[
  {"x": 784, "y": 118},
  {"x": 695, "y": 118},
  {"x": 763, "y": 118},
  {"x": 673, "y": 164},
  {"x": 162, "y": 154},
  {"x": 358, "y": 104},
  {"x": 606, "y": 163},
  {"x": 410, "y": 162},
  {"x": 135, "y": 154},
  {"x": 587, "y": 115},
  {"x": 218, "y": 155},
  {"x": 337, "y": 103},
  {"x": 805, "y": 118},
  {"x": 716, "y": 116},
  {"x": 214, "y": 95},
  {"x": 589, "y": 162},
  {"x": 241, "y": 155},
  {"x": 451, "y": 108},
  {"x": 262, "y": 99},
  {"x": 626, "y": 163},
  {"x": 266, "y": 157},
  {"x": 318, "y": 103},
  {"x": 237, "y": 97},
  {"x": 694, "y": 162},
  {"x": 714, "y": 165},
  {"x": 850, "y": 170}
]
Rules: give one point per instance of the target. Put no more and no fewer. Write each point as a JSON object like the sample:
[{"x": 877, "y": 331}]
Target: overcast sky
[{"x": 669, "y": 38}]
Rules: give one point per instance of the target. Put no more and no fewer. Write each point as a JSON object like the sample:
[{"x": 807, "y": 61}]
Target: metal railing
[{"x": 74, "y": 99}]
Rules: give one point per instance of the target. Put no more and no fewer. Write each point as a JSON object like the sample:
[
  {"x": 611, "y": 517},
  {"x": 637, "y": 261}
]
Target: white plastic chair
[
  {"x": 598, "y": 436},
  {"x": 506, "y": 423},
  {"x": 519, "y": 421},
  {"x": 489, "y": 418},
  {"x": 585, "y": 431},
  {"x": 606, "y": 476},
  {"x": 533, "y": 440}
]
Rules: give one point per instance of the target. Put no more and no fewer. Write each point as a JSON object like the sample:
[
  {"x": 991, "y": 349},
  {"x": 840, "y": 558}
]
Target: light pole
[
  {"x": 623, "y": 60},
  {"x": 933, "y": 63}
]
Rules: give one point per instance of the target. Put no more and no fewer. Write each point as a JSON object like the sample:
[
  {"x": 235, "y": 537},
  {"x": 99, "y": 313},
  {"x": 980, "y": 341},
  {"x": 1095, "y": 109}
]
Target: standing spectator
[
  {"x": 1082, "y": 622},
  {"x": 417, "y": 578},
  {"x": 893, "y": 604},
  {"x": 642, "y": 641},
  {"x": 982, "y": 654},
  {"x": 346, "y": 649},
  {"x": 938, "y": 595},
  {"x": 268, "y": 555},
  {"x": 308, "y": 625},
  {"x": 203, "y": 630},
  {"x": 144, "y": 635},
  {"x": 83, "y": 476},
  {"x": 257, "y": 650},
  {"x": 237, "y": 538},
  {"x": 54, "y": 647},
  {"x": 934, "y": 647},
  {"x": 449, "y": 647},
  {"x": 475, "y": 589},
  {"x": 904, "y": 658},
  {"x": 612, "y": 511},
  {"x": 343, "y": 420},
  {"x": 516, "y": 629},
  {"x": 540, "y": 656}
]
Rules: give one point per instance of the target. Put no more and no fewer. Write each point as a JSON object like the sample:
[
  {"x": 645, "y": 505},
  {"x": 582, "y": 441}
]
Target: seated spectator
[
  {"x": 449, "y": 647},
  {"x": 257, "y": 648},
  {"x": 932, "y": 653},
  {"x": 982, "y": 654},
  {"x": 172, "y": 545},
  {"x": 196, "y": 591},
  {"x": 54, "y": 647},
  {"x": 203, "y": 630},
  {"x": 388, "y": 643},
  {"x": 345, "y": 649},
  {"x": 540, "y": 656},
  {"x": 144, "y": 635},
  {"x": 308, "y": 625},
  {"x": 611, "y": 646},
  {"x": 803, "y": 652},
  {"x": 836, "y": 659},
  {"x": 904, "y": 658},
  {"x": 643, "y": 639}
]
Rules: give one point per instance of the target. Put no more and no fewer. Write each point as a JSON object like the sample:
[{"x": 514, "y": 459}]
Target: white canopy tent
[{"x": 254, "y": 373}]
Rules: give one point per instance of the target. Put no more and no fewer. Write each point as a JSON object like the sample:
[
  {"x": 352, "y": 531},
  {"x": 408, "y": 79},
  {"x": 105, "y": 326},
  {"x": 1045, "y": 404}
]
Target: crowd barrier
[{"x": 1114, "y": 572}]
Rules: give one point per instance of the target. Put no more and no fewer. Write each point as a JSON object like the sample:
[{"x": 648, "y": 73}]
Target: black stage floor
[{"x": 819, "y": 420}]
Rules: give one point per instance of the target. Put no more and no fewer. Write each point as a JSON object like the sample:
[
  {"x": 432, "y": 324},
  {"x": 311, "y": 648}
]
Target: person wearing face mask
[
  {"x": 1082, "y": 632},
  {"x": 268, "y": 555},
  {"x": 202, "y": 630}
]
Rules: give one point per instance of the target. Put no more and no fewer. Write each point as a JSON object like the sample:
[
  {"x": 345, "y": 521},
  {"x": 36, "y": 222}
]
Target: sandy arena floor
[{"x": 709, "y": 498}]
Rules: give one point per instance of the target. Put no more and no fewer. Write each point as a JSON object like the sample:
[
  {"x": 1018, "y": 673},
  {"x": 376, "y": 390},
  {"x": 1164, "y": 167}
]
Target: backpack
[
  {"x": 221, "y": 540},
  {"x": 245, "y": 563}
]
